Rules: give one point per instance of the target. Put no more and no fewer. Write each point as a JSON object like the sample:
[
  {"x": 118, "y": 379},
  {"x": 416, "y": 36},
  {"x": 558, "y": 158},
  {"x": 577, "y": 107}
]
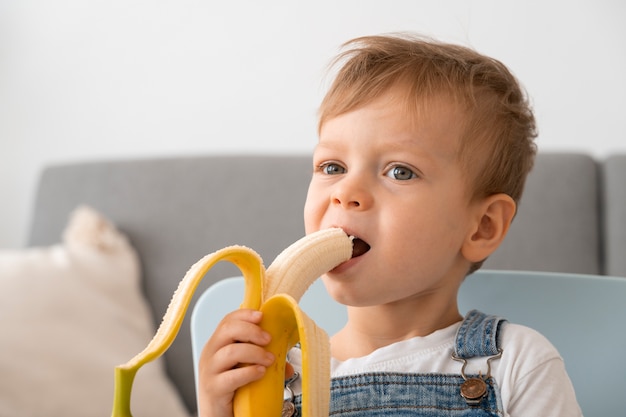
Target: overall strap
[{"x": 479, "y": 335}]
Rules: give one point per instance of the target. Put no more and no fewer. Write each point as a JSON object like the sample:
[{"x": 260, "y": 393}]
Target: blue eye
[
  {"x": 331, "y": 168},
  {"x": 401, "y": 173}
]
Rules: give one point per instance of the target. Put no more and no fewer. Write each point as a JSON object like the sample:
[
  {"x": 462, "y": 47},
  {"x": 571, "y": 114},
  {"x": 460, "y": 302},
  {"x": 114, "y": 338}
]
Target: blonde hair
[{"x": 497, "y": 149}]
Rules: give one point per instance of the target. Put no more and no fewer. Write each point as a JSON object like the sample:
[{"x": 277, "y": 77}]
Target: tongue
[{"x": 359, "y": 247}]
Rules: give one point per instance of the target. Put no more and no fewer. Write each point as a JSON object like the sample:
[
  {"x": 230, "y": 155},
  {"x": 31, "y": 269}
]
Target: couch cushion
[{"x": 69, "y": 314}]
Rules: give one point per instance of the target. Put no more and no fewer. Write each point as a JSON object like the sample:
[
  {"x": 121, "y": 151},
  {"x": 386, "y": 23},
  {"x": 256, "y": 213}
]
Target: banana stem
[{"x": 124, "y": 378}]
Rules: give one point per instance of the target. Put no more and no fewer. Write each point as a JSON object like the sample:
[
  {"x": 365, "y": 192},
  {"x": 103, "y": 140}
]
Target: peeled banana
[{"x": 276, "y": 292}]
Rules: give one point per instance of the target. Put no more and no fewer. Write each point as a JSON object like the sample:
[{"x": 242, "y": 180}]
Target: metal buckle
[
  {"x": 473, "y": 390},
  {"x": 289, "y": 408}
]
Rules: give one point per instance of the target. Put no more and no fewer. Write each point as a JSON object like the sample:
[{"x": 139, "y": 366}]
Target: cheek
[
  {"x": 312, "y": 212},
  {"x": 421, "y": 233},
  {"x": 309, "y": 226}
]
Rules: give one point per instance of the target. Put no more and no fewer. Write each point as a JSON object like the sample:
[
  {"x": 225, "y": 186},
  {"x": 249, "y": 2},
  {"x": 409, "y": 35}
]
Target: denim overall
[{"x": 431, "y": 395}]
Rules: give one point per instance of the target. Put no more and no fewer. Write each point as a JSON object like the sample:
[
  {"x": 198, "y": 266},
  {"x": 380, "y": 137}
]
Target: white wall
[{"x": 93, "y": 79}]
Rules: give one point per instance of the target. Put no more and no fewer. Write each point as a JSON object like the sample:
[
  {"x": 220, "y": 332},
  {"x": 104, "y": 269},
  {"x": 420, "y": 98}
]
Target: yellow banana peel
[{"x": 276, "y": 293}]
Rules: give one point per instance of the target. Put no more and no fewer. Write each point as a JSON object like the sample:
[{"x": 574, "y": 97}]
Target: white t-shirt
[{"x": 531, "y": 373}]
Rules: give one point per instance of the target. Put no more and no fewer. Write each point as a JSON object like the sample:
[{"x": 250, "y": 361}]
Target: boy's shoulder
[
  {"x": 532, "y": 376},
  {"x": 525, "y": 347}
]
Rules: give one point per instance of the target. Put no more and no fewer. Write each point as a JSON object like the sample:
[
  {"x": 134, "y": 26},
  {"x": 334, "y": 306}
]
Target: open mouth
[{"x": 359, "y": 247}]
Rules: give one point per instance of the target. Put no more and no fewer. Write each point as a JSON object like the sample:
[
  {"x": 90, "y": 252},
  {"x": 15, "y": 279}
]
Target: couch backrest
[
  {"x": 614, "y": 219},
  {"x": 557, "y": 227},
  {"x": 176, "y": 210}
]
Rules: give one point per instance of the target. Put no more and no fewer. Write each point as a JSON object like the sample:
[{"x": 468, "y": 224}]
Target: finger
[
  {"x": 246, "y": 314},
  {"x": 239, "y": 327},
  {"x": 226, "y": 383},
  {"x": 216, "y": 391},
  {"x": 237, "y": 354}
]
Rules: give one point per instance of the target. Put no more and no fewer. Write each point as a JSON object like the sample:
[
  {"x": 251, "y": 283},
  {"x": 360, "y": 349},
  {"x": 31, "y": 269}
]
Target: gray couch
[{"x": 175, "y": 210}]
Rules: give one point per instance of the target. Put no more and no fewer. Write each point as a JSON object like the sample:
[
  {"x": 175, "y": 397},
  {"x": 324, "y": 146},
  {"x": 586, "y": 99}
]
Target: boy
[{"x": 423, "y": 153}]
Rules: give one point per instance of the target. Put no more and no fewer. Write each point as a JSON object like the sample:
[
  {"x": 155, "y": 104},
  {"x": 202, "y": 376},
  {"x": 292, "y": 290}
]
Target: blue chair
[{"x": 584, "y": 316}]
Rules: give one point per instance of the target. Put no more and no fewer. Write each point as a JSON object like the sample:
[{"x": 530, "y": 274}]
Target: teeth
[{"x": 277, "y": 295}]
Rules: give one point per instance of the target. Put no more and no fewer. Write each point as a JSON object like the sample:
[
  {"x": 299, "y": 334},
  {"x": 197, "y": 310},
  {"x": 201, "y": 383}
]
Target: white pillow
[{"x": 69, "y": 314}]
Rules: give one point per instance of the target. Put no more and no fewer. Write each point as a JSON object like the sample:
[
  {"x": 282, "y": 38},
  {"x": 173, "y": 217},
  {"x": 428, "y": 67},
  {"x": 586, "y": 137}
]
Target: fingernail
[{"x": 266, "y": 337}]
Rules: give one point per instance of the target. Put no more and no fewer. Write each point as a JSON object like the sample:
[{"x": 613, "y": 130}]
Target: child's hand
[{"x": 237, "y": 340}]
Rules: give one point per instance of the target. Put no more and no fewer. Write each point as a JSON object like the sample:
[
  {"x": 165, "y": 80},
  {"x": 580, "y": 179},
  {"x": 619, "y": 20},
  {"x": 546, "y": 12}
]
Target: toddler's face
[{"x": 396, "y": 184}]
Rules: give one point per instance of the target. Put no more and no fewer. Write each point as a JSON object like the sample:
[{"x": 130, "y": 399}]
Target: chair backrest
[{"x": 582, "y": 315}]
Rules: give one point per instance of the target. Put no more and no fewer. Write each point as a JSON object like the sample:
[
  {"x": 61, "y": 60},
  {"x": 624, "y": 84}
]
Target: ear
[{"x": 492, "y": 220}]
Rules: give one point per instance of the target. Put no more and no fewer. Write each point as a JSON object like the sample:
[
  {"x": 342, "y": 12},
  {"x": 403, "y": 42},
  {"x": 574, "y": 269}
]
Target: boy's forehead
[
  {"x": 441, "y": 108},
  {"x": 415, "y": 104},
  {"x": 437, "y": 117}
]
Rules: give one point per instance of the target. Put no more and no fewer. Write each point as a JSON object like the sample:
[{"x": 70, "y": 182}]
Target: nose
[{"x": 352, "y": 193}]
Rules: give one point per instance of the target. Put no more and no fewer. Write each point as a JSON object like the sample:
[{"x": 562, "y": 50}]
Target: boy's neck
[{"x": 371, "y": 328}]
